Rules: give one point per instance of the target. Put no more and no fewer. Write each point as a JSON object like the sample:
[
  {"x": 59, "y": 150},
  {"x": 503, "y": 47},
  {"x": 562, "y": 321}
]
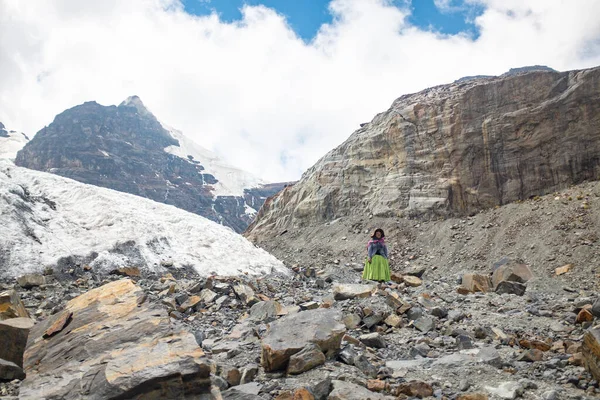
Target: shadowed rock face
[
  {"x": 454, "y": 150},
  {"x": 123, "y": 148}
]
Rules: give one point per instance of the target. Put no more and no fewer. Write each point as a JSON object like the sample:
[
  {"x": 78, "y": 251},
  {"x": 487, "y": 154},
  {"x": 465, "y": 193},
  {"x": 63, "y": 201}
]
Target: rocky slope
[
  {"x": 11, "y": 142},
  {"x": 47, "y": 221},
  {"x": 453, "y": 150},
  {"x": 127, "y": 149}
]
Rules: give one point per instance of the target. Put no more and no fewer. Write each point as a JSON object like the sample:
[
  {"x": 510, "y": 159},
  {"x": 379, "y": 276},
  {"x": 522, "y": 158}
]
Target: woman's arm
[
  {"x": 371, "y": 251},
  {"x": 385, "y": 250}
]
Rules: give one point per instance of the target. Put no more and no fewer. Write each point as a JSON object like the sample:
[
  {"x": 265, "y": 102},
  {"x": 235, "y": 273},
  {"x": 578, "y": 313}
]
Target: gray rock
[
  {"x": 463, "y": 342},
  {"x": 351, "y": 321},
  {"x": 322, "y": 389},
  {"x": 352, "y": 291},
  {"x": 265, "y": 311},
  {"x": 550, "y": 395},
  {"x": 347, "y": 355},
  {"x": 309, "y": 305},
  {"x": 456, "y": 315},
  {"x": 9, "y": 371},
  {"x": 245, "y": 294},
  {"x": 414, "y": 313},
  {"x": 439, "y": 312},
  {"x": 306, "y": 359},
  {"x": 425, "y": 324},
  {"x": 349, "y": 391},
  {"x": 506, "y": 390},
  {"x": 207, "y": 296},
  {"x": 13, "y": 339},
  {"x": 290, "y": 334},
  {"x": 420, "y": 349},
  {"x": 373, "y": 340},
  {"x": 364, "y": 365},
  {"x": 249, "y": 372},
  {"x": 596, "y": 308},
  {"x": 31, "y": 280},
  {"x": 508, "y": 287}
]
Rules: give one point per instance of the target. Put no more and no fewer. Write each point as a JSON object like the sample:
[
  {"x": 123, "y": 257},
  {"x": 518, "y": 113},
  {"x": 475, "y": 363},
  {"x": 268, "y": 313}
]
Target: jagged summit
[
  {"x": 11, "y": 142},
  {"x": 135, "y": 102}
]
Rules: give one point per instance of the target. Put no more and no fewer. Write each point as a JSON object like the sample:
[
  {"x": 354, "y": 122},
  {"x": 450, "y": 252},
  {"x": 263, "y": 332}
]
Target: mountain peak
[{"x": 135, "y": 102}]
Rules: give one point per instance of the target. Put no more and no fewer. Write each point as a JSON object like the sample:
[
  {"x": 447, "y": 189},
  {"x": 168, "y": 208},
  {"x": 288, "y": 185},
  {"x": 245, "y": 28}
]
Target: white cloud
[{"x": 252, "y": 90}]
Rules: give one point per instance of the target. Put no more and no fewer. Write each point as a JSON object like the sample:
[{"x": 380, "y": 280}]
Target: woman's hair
[{"x": 375, "y": 233}]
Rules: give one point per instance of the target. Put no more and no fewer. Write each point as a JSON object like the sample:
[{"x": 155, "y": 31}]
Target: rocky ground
[{"x": 417, "y": 337}]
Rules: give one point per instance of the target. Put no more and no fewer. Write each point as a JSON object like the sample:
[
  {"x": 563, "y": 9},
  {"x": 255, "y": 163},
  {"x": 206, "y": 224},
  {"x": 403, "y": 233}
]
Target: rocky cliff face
[
  {"x": 454, "y": 150},
  {"x": 127, "y": 149}
]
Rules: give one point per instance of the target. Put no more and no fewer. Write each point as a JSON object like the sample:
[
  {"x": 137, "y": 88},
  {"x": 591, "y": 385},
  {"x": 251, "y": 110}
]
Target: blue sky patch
[{"x": 306, "y": 16}]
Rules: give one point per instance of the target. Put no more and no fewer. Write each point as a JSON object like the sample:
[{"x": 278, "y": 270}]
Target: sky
[{"x": 271, "y": 85}]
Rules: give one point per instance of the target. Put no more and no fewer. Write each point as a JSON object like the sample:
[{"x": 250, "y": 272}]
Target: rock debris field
[{"x": 474, "y": 311}]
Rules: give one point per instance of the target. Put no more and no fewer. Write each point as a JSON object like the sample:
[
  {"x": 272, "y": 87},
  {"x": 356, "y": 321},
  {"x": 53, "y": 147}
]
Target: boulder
[
  {"x": 373, "y": 340},
  {"x": 11, "y": 305},
  {"x": 246, "y": 294},
  {"x": 13, "y": 337},
  {"x": 425, "y": 324},
  {"x": 290, "y": 334},
  {"x": 113, "y": 348},
  {"x": 349, "y": 391},
  {"x": 509, "y": 287},
  {"x": 31, "y": 280},
  {"x": 306, "y": 359},
  {"x": 412, "y": 281},
  {"x": 473, "y": 283},
  {"x": 506, "y": 390},
  {"x": 191, "y": 302},
  {"x": 473, "y": 396},
  {"x": 265, "y": 311},
  {"x": 511, "y": 272},
  {"x": 352, "y": 291},
  {"x": 207, "y": 296},
  {"x": 591, "y": 352},
  {"x": 9, "y": 371},
  {"x": 417, "y": 389}
]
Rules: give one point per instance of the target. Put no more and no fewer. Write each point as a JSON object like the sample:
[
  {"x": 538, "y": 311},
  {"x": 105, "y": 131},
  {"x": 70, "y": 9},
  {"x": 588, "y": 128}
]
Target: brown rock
[
  {"x": 532, "y": 355},
  {"x": 511, "y": 272},
  {"x": 412, "y": 281},
  {"x": 13, "y": 339},
  {"x": 11, "y": 306},
  {"x": 397, "y": 303},
  {"x": 476, "y": 283},
  {"x": 534, "y": 344},
  {"x": 191, "y": 302},
  {"x": 376, "y": 385},
  {"x": 473, "y": 396},
  {"x": 232, "y": 375},
  {"x": 577, "y": 359},
  {"x": 59, "y": 322},
  {"x": 591, "y": 351},
  {"x": 113, "y": 348},
  {"x": 290, "y": 334},
  {"x": 397, "y": 277},
  {"x": 246, "y": 294},
  {"x": 343, "y": 390},
  {"x": 133, "y": 272},
  {"x": 584, "y": 316},
  {"x": 574, "y": 348},
  {"x": 564, "y": 269},
  {"x": 418, "y": 389},
  {"x": 302, "y": 394},
  {"x": 393, "y": 321}
]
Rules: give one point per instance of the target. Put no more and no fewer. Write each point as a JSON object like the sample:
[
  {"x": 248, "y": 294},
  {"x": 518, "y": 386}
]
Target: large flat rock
[
  {"x": 344, "y": 291},
  {"x": 103, "y": 345},
  {"x": 291, "y": 334}
]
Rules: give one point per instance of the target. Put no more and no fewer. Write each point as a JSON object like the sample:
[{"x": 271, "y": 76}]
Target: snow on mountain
[
  {"x": 11, "y": 142},
  {"x": 45, "y": 219},
  {"x": 231, "y": 181}
]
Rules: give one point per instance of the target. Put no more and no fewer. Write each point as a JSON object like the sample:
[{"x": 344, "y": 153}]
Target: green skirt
[{"x": 377, "y": 270}]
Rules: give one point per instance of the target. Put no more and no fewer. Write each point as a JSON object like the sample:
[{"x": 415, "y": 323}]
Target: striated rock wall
[{"x": 453, "y": 150}]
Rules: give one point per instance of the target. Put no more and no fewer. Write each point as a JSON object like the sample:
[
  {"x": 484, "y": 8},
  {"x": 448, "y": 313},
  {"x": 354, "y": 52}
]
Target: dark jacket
[{"x": 378, "y": 248}]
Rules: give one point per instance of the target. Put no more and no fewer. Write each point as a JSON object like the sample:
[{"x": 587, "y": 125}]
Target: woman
[{"x": 377, "y": 267}]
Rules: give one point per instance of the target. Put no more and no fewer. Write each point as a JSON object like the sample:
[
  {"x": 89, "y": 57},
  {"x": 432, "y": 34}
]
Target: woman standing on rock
[{"x": 377, "y": 267}]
